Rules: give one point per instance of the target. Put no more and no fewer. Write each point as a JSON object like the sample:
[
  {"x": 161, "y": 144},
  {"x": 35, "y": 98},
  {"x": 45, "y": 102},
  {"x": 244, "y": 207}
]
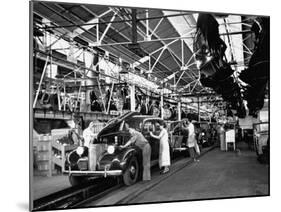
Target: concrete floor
[
  {"x": 217, "y": 175},
  {"x": 43, "y": 186},
  {"x": 126, "y": 193}
]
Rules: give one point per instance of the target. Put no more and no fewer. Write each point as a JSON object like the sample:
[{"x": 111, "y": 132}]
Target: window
[
  {"x": 148, "y": 126},
  {"x": 135, "y": 123},
  {"x": 157, "y": 124}
]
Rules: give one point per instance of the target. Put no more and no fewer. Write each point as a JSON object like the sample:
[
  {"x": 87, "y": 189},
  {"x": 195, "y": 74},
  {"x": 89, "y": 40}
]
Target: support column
[
  {"x": 198, "y": 100},
  {"x": 182, "y": 53},
  {"x": 110, "y": 97},
  {"x": 147, "y": 26},
  {"x": 162, "y": 104},
  {"x": 64, "y": 97},
  {"x": 132, "y": 98},
  {"x": 89, "y": 82},
  {"x": 83, "y": 104},
  {"x": 179, "y": 110},
  {"x": 40, "y": 83}
]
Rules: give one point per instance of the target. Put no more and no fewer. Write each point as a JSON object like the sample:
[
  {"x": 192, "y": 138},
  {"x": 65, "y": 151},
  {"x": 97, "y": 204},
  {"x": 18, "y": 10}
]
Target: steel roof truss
[
  {"x": 107, "y": 28},
  {"x": 151, "y": 69},
  {"x": 155, "y": 28},
  {"x": 94, "y": 21}
]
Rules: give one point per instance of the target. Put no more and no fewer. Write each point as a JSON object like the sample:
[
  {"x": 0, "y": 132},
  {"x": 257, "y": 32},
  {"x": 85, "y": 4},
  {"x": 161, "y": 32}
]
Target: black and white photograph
[{"x": 138, "y": 105}]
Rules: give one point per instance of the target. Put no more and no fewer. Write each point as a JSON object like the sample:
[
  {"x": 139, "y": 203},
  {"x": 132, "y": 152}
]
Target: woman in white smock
[
  {"x": 164, "y": 149},
  {"x": 88, "y": 134}
]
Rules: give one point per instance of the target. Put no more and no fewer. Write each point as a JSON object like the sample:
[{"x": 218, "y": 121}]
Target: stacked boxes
[{"x": 44, "y": 154}]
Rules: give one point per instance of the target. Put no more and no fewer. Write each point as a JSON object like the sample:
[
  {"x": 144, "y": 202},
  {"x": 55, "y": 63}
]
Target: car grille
[{"x": 83, "y": 164}]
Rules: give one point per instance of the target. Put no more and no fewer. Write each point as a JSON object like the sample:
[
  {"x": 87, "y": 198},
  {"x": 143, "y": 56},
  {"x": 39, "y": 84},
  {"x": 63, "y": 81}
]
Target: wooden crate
[
  {"x": 60, "y": 157},
  {"x": 43, "y": 155},
  {"x": 59, "y": 151},
  {"x": 45, "y": 159}
]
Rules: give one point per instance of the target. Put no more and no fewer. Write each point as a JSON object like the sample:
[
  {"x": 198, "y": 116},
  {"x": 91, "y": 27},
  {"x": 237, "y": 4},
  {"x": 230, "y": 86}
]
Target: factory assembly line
[{"x": 139, "y": 105}]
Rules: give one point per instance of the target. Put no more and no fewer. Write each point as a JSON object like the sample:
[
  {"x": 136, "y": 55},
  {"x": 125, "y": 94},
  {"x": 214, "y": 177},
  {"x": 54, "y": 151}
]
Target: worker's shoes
[{"x": 166, "y": 170}]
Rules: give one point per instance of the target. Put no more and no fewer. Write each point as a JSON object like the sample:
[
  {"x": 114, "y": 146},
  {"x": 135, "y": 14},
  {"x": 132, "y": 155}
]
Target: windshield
[
  {"x": 114, "y": 125},
  {"x": 135, "y": 123}
]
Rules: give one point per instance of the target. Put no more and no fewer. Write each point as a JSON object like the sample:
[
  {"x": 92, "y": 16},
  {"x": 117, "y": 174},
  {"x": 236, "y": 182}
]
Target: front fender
[
  {"x": 73, "y": 158},
  {"x": 120, "y": 159},
  {"x": 128, "y": 154}
]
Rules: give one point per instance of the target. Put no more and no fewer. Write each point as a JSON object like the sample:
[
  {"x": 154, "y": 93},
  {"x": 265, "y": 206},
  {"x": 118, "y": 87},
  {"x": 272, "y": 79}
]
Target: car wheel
[
  {"x": 186, "y": 153},
  {"x": 257, "y": 151},
  {"x": 76, "y": 180},
  {"x": 256, "y": 147},
  {"x": 130, "y": 175}
]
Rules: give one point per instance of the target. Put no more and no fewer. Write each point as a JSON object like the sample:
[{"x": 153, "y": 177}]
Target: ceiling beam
[
  {"x": 107, "y": 22},
  {"x": 63, "y": 17},
  {"x": 122, "y": 34},
  {"x": 93, "y": 21},
  {"x": 104, "y": 45}
]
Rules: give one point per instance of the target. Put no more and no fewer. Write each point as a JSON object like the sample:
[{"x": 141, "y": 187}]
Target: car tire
[
  {"x": 256, "y": 148},
  {"x": 131, "y": 173},
  {"x": 186, "y": 153},
  {"x": 76, "y": 180}
]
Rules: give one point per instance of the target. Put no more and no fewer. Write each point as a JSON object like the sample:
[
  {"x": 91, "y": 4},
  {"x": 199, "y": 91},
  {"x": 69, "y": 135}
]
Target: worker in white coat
[
  {"x": 193, "y": 147},
  {"x": 164, "y": 149},
  {"x": 88, "y": 134}
]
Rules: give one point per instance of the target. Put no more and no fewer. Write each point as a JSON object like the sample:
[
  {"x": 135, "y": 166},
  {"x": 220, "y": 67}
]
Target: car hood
[{"x": 113, "y": 125}]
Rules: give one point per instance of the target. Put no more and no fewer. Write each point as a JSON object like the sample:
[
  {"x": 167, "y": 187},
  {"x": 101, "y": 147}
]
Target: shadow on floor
[{"x": 23, "y": 206}]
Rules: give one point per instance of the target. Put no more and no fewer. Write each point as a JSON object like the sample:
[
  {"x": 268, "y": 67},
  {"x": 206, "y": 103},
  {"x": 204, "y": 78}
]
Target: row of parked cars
[{"x": 104, "y": 158}]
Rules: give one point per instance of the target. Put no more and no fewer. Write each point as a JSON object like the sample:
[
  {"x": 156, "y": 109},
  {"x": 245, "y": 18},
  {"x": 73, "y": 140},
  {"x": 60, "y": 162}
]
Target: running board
[{"x": 180, "y": 149}]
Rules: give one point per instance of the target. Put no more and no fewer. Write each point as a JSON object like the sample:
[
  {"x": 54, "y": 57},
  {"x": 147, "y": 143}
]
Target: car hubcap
[{"x": 132, "y": 170}]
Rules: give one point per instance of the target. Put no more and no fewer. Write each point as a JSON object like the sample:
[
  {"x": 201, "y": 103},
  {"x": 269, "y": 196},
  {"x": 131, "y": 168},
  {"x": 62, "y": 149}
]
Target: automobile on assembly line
[
  {"x": 261, "y": 139},
  {"x": 177, "y": 138},
  {"x": 105, "y": 158}
]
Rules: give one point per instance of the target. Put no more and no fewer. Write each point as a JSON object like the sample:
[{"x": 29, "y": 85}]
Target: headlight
[
  {"x": 80, "y": 150},
  {"x": 110, "y": 149}
]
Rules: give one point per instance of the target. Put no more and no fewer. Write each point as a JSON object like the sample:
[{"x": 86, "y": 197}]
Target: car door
[
  {"x": 149, "y": 126},
  {"x": 154, "y": 141}
]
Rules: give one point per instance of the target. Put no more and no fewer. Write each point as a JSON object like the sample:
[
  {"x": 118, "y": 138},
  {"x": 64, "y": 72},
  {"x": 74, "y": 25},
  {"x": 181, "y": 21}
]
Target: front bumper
[
  {"x": 103, "y": 173},
  {"x": 180, "y": 149}
]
